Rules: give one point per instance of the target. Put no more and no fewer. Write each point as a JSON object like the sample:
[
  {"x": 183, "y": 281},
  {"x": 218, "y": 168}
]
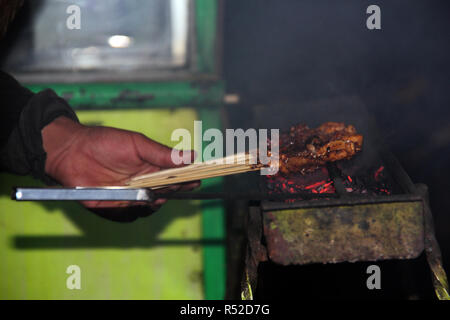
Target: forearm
[
  {"x": 13, "y": 99},
  {"x": 24, "y": 115}
]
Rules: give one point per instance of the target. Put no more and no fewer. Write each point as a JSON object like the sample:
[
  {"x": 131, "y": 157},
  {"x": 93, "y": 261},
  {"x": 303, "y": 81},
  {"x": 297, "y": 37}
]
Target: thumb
[{"x": 161, "y": 155}]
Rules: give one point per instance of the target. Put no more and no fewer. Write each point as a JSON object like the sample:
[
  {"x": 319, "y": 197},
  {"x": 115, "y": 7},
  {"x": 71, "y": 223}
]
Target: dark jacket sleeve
[{"x": 23, "y": 116}]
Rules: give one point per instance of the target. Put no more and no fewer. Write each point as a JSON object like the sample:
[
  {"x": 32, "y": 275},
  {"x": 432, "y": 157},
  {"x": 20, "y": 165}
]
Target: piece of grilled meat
[{"x": 303, "y": 149}]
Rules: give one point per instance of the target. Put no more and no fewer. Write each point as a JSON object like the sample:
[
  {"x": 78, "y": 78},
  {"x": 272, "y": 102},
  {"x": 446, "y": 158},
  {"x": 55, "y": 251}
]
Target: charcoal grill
[{"x": 347, "y": 226}]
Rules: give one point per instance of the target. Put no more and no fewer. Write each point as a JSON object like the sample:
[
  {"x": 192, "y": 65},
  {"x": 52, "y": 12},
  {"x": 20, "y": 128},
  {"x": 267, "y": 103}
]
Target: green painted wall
[
  {"x": 178, "y": 253},
  {"x": 160, "y": 257}
]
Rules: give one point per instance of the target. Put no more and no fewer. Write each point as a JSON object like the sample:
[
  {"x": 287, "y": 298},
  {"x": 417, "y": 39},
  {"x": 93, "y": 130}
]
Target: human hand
[{"x": 79, "y": 155}]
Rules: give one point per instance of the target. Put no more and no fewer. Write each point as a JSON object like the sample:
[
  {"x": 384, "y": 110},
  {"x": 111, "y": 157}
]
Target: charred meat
[{"x": 303, "y": 149}]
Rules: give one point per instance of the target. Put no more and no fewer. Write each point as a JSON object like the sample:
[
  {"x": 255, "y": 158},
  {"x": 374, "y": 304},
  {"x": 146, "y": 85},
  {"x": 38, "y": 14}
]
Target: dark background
[
  {"x": 280, "y": 55},
  {"x": 283, "y": 55}
]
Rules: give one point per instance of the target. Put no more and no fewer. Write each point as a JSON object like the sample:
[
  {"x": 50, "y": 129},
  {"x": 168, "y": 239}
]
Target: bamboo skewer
[
  {"x": 197, "y": 171},
  {"x": 172, "y": 179},
  {"x": 152, "y": 184},
  {"x": 187, "y": 175},
  {"x": 211, "y": 172},
  {"x": 238, "y": 160}
]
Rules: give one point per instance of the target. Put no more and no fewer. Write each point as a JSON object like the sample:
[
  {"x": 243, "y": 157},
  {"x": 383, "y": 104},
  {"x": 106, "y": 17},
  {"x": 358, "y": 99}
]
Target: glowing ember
[
  {"x": 315, "y": 185},
  {"x": 371, "y": 181},
  {"x": 377, "y": 173}
]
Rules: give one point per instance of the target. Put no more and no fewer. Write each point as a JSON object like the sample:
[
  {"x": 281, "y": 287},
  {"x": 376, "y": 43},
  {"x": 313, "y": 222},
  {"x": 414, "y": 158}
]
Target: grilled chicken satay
[{"x": 304, "y": 149}]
